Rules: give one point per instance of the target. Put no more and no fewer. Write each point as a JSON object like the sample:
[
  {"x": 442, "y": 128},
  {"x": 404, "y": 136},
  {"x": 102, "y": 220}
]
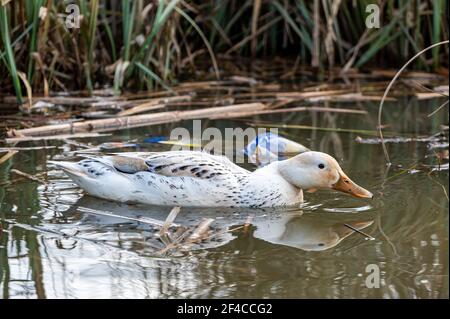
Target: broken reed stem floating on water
[
  {"x": 154, "y": 103},
  {"x": 311, "y": 94},
  {"x": 380, "y": 109},
  {"x": 293, "y": 109},
  {"x": 33, "y": 178},
  {"x": 132, "y": 121},
  {"x": 201, "y": 231},
  {"x": 31, "y": 148},
  {"x": 169, "y": 220},
  {"x": 52, "y": 137},
  {"x": 7, "y": 156},
  {"x": 12, "y": 182}
]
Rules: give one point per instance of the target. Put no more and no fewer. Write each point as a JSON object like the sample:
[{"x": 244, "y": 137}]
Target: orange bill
[{"x": 346, "y": 185}]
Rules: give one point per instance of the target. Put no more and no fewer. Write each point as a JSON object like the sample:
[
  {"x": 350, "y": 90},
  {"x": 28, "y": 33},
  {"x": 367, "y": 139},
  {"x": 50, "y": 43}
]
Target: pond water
[{"x": 50, "y": 247}]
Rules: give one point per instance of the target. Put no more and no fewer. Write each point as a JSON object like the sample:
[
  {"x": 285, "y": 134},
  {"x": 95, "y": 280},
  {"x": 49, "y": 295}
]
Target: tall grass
[
  {"x": 143, "y": 44},
  {"x": 8, "y": 56}
]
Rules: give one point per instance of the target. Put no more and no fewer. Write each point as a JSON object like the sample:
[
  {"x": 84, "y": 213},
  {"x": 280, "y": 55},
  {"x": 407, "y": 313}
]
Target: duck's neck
[
  {"x": 280, "y": 168},
  {"x": 284, "y": 169},
  {"x": 271, "y": 188}
]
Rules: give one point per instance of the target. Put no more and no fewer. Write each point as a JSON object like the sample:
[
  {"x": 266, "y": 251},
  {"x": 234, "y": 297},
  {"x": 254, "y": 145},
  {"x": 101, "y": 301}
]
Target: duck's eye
[{"x": 321, "y": 166}]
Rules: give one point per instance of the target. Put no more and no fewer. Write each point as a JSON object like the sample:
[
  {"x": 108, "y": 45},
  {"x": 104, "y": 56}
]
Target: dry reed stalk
[
  {"x": 51, "y": 137},
  {"x": 7, "y": 156},
  {"x": 169, "y": 220},
  {"x": 250, "y": 37},
  {"x": 316, "y": 34},
  {"x": 350, "y": 97},
  {"x": 141, "y": 108},
  {"x": 153, "y": 104},
  {"x": 200, "y": 232},
  {"x": 306, "y": 95},
  {"x": 410, "y": 74},
  {"x": 31, "y": 148},
  {"x": 23, "y": 77},
  {"x": 329, "y": 47},
  {"x": 65, "y": 100},
  {"x": 133, "y": 121},
  {"x": 207, "y": 102},
  {"x": 428, "y": 95},
  {"x": 33, "y": 178},
  {"x": 254, "y": 27},
  {"x": 293, "y": 109}
]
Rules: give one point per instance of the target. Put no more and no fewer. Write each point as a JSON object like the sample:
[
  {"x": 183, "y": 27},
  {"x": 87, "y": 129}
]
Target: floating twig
[
  {"x": 308, "y": 95},
  {"x": 7, "y": 156},
  {"x": 31, "y": 148},
  {"x": 49, "y": 131},
  {"x": 200, "y": 231},
  {"x": 169, "y": 220},
  {"x": 52, "y": 137},
  {"x": 33, "y": 178},
  {"x": 377, "y": 140},
  {"x": 154, "y": 104},
  {"x": 289, "y": 110}
]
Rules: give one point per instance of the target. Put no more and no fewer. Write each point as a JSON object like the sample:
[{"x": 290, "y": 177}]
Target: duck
[
  {"x": 306, "y": 232},
  {"x": 199, "y": 179}
]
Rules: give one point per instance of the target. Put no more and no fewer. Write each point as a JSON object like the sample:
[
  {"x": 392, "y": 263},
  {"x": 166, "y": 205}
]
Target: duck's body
[{"x": 185, "y": 178}]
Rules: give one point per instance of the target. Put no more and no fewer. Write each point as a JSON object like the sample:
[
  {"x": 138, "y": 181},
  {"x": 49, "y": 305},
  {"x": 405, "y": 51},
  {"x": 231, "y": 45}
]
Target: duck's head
[{"x": 316, "y": 170}]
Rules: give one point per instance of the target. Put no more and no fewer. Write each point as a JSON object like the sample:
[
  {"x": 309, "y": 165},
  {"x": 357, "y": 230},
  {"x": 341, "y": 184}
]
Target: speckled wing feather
[
  {"x": 194, "y": 164},
  {"x": 173, "y": 163}
]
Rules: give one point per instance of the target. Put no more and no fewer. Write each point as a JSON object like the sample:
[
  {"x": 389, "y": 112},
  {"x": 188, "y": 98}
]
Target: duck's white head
[{"x": 316, "y": 170}]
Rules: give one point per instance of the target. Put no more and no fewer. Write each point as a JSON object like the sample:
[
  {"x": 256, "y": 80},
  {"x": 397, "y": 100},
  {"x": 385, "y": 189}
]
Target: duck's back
[{"x": 184, "y": 178}]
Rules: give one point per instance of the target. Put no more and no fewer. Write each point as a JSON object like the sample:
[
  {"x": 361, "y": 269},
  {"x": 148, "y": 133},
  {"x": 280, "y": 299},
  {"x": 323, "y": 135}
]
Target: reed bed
[{"x": 147, "y": 45}]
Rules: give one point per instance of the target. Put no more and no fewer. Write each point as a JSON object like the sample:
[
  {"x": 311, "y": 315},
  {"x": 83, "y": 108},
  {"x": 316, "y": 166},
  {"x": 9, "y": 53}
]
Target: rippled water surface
[{"x": 51, "y": 247}]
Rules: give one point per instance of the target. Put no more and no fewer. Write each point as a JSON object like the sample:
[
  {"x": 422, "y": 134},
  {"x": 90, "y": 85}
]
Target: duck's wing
[
  {"x": 173, "y": 163},
  {"x": 195, "y": 164}
]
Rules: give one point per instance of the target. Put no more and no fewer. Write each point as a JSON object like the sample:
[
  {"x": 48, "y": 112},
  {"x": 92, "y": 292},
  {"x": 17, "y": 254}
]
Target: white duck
[{"x": 188, "y": 178}]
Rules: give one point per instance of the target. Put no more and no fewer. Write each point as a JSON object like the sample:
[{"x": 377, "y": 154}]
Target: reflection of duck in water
[
  {"x": 310, "y": 232},
  {"x": 186, "y": 178}
]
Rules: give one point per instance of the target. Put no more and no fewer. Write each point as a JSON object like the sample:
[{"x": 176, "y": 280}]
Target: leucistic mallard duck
[{"x": 189, "y": 178}]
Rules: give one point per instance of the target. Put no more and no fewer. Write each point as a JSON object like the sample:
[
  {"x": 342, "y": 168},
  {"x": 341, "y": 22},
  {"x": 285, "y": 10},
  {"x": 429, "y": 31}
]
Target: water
[{"x": 49, "y": 248}]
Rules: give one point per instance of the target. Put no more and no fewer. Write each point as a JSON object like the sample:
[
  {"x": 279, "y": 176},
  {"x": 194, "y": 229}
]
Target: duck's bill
[{"x": 346, "y": 185}]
